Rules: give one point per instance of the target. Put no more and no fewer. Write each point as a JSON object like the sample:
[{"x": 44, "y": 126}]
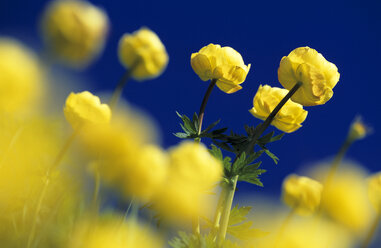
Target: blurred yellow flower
[
  {"x": 318, "y": 76},
  {"x": 302, "y": 194},
  {"x": 290, "y": 116},
  {"x": 74, "y": 30},
  {"x": 374, "y": 191},
  {"x": 113, "y": 232},
  {"x": 85, "y": 108},
  {"x": 21, "y": 77},
  {"x": 143, "y": 53},
  {"x": 358, "y": 130},
  {"x": 221, "y": 63},
  {"x": 345, "y": 200},
  {"x": 192, "y": 172},
  {"x": 27, "y": 150},
  {"x": 147, "y": 173}
]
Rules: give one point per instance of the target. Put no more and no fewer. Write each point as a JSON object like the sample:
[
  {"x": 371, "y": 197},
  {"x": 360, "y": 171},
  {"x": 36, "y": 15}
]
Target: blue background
[{"x": 347, "y": 33}]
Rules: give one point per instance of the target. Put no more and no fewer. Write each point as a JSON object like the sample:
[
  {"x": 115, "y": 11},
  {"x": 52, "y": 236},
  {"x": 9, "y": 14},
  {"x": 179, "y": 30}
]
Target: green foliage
[
  {"x": 241, "y": 145},
  {"x": 239, "y": 225},
  {"x": 188, "y": 240}
]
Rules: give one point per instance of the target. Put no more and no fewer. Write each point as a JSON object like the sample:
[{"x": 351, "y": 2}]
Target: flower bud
[
  {"x": 318, "y": 76},
  {"x": 290, "y": 116},
  {"x": 358, "y": 130},
  {"x": 21, "y": 77},
  {"x": 374, "y": 190},
  {"x": 143, "y": 53},
  {"x": 85, "y": 108},
  {"x": 75, "y": 31},
  {"x": 302, "y": 193},
  {"x": 221, "y": 63}
]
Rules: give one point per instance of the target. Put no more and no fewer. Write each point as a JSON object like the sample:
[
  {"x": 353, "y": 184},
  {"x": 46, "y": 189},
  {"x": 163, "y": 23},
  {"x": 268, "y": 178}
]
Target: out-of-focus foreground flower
[
  {"x": 74, "y": 30},
  {"x": 288, "y": 119},
  {"x": 143, "y": 53},
  {"x": 309, "y": 67},
  {"x": 21, "y": 77},
  {"x": 374, "y": 191},
  {"x": 221, "y": 63},
  {"x": 85, "y": 108},
  {"x": 302, "y": 194},
  {"x": 111, "y": 231}
]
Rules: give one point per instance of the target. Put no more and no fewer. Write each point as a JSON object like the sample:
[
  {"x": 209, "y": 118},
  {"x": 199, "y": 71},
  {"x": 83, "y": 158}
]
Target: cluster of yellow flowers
[{"x": 43, "y": 184}]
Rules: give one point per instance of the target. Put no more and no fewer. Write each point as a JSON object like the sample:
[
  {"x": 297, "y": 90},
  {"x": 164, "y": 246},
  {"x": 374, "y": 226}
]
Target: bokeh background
[{"x": 347, "y": 33}]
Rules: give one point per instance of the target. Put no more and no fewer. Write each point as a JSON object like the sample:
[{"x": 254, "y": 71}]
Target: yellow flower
[
  {"x": 345, "y": 200},
  {"x": 147, "y": 173},
  {"x": 290, "y": 116},
  {"x": 358, "y": 130},
  {"x": 318, "y": 76},
  {"x": 302, "y": 193},
  {"x": 374, "y": 190},
  {"x": 85, "y": 108},
  {"x": 191, "y": 161},
  {"x": 221, "y": 63},
  {"x": 143, "y": 53},
  {"x": 21, "y": 77},
  {"x": 74, "y": 30},
  {"x": 113, "y": 232},
  {"x": 192, "y": 172}
]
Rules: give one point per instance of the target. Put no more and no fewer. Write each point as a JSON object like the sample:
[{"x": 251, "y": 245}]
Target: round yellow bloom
[
  {"x": 222, "y": 63},
  {"x": 191, "y": 161},
  {"x": 318, "y": 76},
  {"x": 302, "y": 193},
  {"x": 85, "y": 108},
  {"x": 147, "y": 173},
  {"x": 143, "y": 53},
  {"x": 290, "y": 116},
  {"x": 75, "y": 30},
  {"x": 374, "y": 190},
  {"x": 21, "y": 77},
  {"x": 192, "y": 172},
  {"x": 113, "y": 232},
  {"x": 358, "y": 130}
]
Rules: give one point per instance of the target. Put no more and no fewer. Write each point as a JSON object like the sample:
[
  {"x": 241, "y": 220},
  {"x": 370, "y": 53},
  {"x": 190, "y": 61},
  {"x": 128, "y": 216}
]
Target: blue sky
[{"x": 347, "y": 33}]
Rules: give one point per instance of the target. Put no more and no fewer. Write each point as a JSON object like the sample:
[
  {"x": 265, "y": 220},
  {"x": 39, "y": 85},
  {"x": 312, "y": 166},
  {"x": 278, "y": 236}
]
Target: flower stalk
[
  {"x": 229, "y": 190},
  {"x": 372, "y": 231}
]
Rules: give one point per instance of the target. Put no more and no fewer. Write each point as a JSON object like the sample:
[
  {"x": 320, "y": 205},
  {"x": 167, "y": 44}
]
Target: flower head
[
  {"x": 221, "y": 63},
  {"x": 143, "y": 53},
  {"x": 74, "y": 30},
  {"x": 290, "y": 116},
  {"x": 374, "y": 190},
  {"x": 318, "y": 76},
  {"x": 21, "y": 77},
  {"x": 85, "y": 108},
  {"x": 358, "y": 130},
  {"x": 302, "y": 193}
]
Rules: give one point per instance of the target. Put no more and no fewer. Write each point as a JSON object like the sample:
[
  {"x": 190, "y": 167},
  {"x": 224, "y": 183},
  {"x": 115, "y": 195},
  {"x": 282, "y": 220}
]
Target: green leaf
[
  {"x": 250, "y": 169},
  {"x": 238, "y": 214},
  {"x": 245, "y": 231},
  {"x": 195, "y": 121},
  {"x": 276, "y": 138},
  {"x": 239, "y": 163},
  {"x": 211, "y": 126},
  {"x": 271, "y": 155},
  {"x": 266, "y": 138},
  {"x": 188, "y": 240},
  {"x": 189, "y": 124},
  {"x": 253, "y": 177},
  {"x": 181, "y": 135}
]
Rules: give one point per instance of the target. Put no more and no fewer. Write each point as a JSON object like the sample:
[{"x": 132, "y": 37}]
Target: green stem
[
  {"x": 337, "y": 161},
  {"x": 203, "y": 105},
  {"x": 41, "y": 198},
  {"x": 119, "y": 89},
  {"x": 372, "y": 231},
  {"x": 228, "y": 201}
]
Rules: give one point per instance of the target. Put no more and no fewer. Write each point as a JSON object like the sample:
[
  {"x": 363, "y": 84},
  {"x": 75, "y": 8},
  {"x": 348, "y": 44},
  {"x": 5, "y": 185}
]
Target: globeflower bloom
[
  {"x": 85, "y": 108},
  {"x": 223, "y": 64},
  {"x": 143, "y": 53},
  {"x": 74, "y": 30},
  {"x": 21, "y": 77},
  {"x": 374, "y": 191},
  {"x": 309, "y": 67},
  {"x": 290, "y": 116},
  {"x": 302, "y": 193}
]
